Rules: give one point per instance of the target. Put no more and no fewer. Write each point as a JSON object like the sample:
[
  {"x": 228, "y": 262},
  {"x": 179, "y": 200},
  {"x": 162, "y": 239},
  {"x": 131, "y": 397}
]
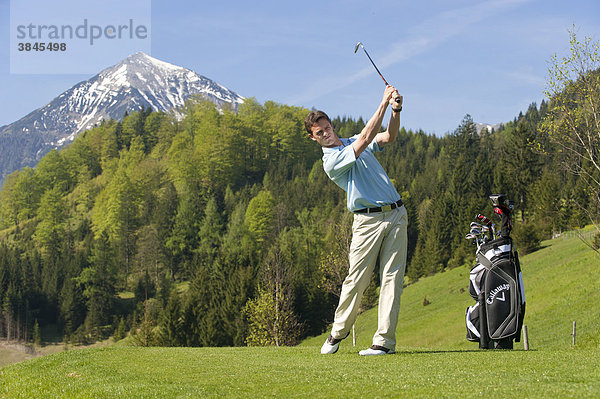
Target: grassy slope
[
  {"x": 562, "y": 284},
  {"x": 433, "y": 359},
  {"x": 10, "y": 355}
]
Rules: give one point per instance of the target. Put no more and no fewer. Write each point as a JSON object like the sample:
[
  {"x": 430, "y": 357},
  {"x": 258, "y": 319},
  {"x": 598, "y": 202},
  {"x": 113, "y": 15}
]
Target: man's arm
[
  {"x": 389, "y": 136},
  {"x": 372, "y": 127}
]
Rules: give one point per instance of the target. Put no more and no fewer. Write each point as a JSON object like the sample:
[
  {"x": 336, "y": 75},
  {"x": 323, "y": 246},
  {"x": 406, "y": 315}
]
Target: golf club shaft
[
  {"x": 377, "y": 69},
  {"x": 375, "y": 66}
]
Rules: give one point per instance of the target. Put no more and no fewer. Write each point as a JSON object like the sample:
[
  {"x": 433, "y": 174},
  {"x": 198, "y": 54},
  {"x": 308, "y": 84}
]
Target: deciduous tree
[{"x": 573, "y": 119}]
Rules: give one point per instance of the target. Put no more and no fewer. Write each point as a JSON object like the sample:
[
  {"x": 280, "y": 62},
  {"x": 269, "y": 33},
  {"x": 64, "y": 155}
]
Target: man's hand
[
  {"x": 396, "y": 100},
  {"x": 392, "y": 97},
  {"x": 388, "y": 94}
]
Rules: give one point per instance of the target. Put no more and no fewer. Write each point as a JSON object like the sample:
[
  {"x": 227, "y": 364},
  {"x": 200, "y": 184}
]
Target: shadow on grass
[
  {"x": 528, "y": 251},
  {"x": 424, "y": 351}
]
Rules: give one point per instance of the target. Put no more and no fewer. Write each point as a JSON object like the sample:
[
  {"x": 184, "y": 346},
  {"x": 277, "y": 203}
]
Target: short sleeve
[{"x": 338, "y": 162}]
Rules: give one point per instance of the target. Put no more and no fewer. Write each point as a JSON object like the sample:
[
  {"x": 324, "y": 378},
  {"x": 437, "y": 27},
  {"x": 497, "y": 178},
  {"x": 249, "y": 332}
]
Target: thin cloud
[
  {"x": 427, "y": 36},
  {"x": 526, "y": 76}
]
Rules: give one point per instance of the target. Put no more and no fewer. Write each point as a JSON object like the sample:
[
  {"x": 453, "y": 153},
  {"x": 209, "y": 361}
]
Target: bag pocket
[{"x": 472, "y": 322}]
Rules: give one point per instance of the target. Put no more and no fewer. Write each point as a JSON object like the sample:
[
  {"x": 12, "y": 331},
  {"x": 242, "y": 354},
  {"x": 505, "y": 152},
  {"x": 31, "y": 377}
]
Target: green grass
[
  {"x": 562, "y": 285},
  {"x": 301, "y": 372},
  {"x": 9, "y": 355},
  {"x": 433, "y": 358},
  {"x": 126, "y": 295}
]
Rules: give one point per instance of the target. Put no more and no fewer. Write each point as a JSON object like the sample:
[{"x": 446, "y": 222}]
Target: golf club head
[
  {"x": 357, "y": 46},
  {"x": 470, "y": 236},
  {"x": 499, "y": 200},
  {"x": 503, "y": 203},
  {"x": 483, "y": 219},
  {"x": 475, "y": 232},
  {"x": 475, "y": 225}
]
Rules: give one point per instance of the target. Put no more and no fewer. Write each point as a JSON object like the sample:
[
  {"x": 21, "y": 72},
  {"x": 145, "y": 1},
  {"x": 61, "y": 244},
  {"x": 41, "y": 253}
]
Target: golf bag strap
[{"x": 484, "y": 261}]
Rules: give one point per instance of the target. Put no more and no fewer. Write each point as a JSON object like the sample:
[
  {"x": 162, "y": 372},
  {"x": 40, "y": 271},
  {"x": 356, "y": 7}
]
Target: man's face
[{"x": 322, "y": 133}]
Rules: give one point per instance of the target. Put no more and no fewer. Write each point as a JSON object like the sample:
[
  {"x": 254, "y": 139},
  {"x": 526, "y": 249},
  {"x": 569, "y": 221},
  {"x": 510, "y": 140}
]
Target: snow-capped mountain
[
  {"x": 139, "y": 81},
  {"x": 490, "y": 127}
]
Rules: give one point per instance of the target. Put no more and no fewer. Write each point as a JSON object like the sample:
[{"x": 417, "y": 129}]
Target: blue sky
[{"x": 486, "y": 58}]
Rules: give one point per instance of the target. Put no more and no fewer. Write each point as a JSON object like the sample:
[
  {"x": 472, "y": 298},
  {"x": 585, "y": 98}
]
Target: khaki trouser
[{"x": 375, "y": 235}]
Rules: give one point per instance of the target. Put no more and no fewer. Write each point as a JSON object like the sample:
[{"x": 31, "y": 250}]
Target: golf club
[
  {"x": 359, "y": 44},
  {"x": 483, "y": 219},
  {"x": 479, "y": 226},
  {"x": 487, "y": 222},
  {"x": 475, "y": 232}
]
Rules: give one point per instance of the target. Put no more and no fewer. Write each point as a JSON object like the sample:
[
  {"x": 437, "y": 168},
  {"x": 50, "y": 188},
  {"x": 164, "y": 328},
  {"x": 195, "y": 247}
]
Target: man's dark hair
[{"x": 313, "y": 118}]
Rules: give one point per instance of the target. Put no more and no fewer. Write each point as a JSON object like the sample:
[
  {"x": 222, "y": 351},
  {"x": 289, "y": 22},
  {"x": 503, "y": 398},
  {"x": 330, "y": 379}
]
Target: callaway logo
[{"x": 494, "y": 293}]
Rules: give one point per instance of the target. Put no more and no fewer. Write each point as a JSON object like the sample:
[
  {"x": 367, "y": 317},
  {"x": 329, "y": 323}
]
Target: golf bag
[{"x": 496, "y": 283}]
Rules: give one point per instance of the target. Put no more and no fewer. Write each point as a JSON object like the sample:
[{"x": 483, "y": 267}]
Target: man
[{"x": 380, "y": 220}]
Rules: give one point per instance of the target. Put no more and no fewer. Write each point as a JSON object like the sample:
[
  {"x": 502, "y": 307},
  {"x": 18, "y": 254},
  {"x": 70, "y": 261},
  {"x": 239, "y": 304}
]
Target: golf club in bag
[{"x": 496, "y": 283}]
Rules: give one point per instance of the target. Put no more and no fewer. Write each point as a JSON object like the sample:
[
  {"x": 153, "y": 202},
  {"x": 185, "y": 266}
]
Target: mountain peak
[
  {"x": 136, "y": 82},
  {"x": 490, "y": 127},
  {"x": 162, "y": 86},
  {"x": 141, "y": 58},
  {"x": 139, "y": 54}
]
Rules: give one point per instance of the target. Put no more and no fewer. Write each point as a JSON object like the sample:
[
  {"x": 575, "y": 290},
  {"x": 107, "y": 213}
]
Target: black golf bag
[{"x": 496, "y": 283}]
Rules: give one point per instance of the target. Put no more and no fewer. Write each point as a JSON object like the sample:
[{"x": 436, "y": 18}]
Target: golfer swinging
[{"x": 380, "y": 220}]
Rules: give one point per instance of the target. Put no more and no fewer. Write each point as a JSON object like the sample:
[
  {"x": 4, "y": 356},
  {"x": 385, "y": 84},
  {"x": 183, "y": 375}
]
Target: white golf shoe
[
  {"x": 375, "y": 350},
  {"x": 330, "y": 346}
]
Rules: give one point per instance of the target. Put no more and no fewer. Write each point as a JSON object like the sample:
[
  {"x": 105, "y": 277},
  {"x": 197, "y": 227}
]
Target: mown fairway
[
  {"x": 433, "y": 358},
  {"x": 302, "y": 372}
]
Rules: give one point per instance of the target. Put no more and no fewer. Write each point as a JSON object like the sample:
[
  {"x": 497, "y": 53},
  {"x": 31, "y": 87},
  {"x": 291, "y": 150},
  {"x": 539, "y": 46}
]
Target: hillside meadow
[{"x": 562, "y": 285}]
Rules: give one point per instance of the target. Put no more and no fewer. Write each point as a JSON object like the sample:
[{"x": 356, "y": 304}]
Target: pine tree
[
  {"x": 547, "y": 207},
  {"x": 522, "y": 164},
  {"x": 98, "y": 282},
  {"x": 198, "y": 313},
  {"x": 37, "y": 334},
  {"x": 121, "y": 331},
  {"x": 72, "y": 307},
  {"x": 148, "y": 253},
  {"x": 171, "y": 333},
  {"x": 209, "y": 234},
  {"x": 184, "y": 234},
  {"x": 163, "y": 220}
]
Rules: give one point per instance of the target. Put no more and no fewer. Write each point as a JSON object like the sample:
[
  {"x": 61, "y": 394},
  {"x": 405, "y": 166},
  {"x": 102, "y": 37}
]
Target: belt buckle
[{"x": 386, "y": 208}]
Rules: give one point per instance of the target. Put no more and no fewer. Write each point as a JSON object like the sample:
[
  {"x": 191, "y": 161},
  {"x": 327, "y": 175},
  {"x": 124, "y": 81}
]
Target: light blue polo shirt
[{"x": 363, "y": 178}]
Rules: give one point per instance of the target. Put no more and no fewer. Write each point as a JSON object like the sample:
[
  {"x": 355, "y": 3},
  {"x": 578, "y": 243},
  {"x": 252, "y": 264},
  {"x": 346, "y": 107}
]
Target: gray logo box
[{"x": 75, "y": 36}]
